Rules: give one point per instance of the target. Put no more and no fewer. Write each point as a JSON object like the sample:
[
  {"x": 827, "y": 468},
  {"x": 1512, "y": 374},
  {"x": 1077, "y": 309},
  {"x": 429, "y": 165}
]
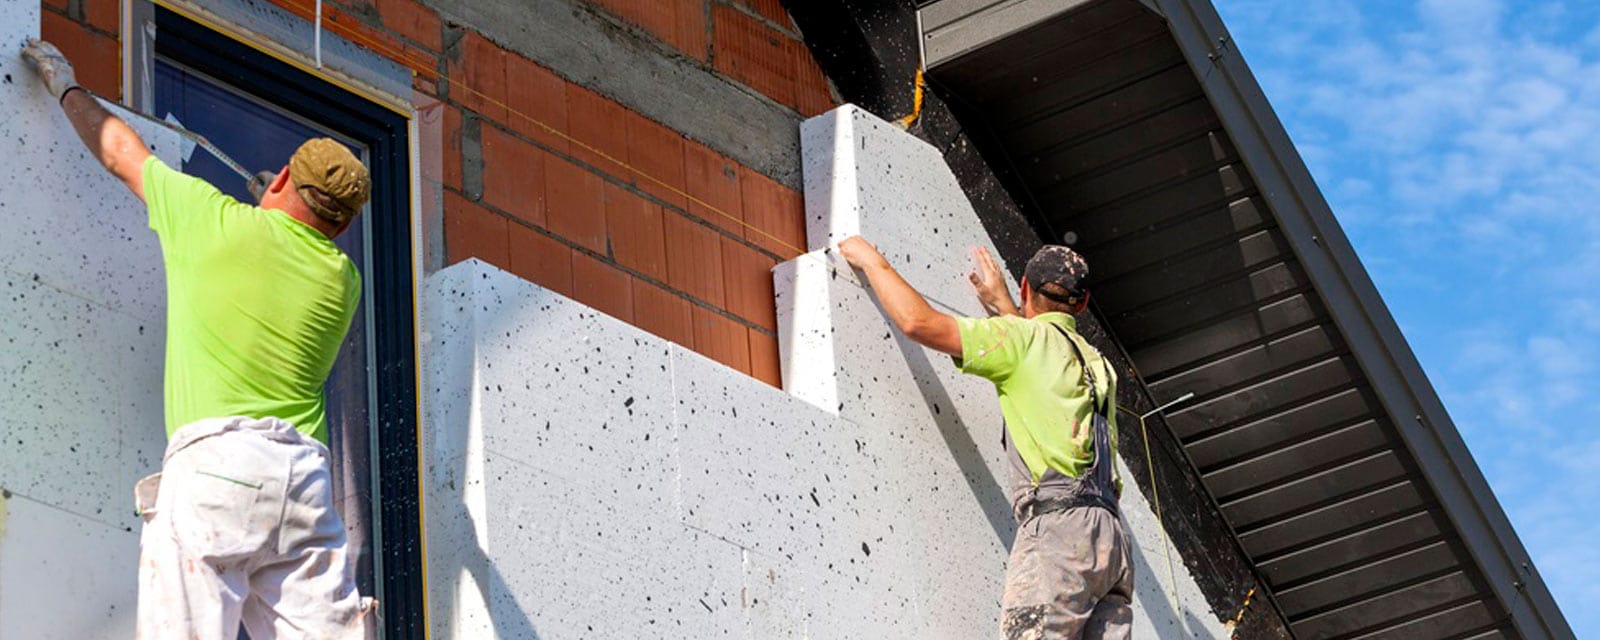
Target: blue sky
[{"x": 1458, "y": 142}]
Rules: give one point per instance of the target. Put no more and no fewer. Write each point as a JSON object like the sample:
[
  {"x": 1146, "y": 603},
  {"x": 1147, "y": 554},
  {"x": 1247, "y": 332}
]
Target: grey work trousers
[{"x": 1070, "y": 576}]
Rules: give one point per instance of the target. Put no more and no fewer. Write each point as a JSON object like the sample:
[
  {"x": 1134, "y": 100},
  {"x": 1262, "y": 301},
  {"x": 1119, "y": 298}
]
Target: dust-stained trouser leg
[
  {"x": 243, "y": 529},
  {"x": 215, "y": 506},
  {"x": 308, "y": 588},
  {"x": 1070, "y": 576}
]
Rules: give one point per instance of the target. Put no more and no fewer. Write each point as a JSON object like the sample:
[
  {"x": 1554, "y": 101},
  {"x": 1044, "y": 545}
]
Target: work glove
[
  {"x": 257, "y": 185},
  {"x": 53, "y": 68}
]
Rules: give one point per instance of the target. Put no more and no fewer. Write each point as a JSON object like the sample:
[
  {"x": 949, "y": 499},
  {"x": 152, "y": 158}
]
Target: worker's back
[
  {"x": 1044, "y": 393},
  {"x": 257, "y": 306}
]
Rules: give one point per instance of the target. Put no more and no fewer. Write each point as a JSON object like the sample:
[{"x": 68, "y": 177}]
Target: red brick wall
[
  {"x": 579, "y": 193},
  {"x": 86, "y": 31}
]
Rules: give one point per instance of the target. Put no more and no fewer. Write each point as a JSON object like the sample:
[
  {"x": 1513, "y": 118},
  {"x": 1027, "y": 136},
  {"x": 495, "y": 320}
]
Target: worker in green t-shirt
[
  {"x": 240, "y": 525},
  {"x": 1070, "y": 574}
]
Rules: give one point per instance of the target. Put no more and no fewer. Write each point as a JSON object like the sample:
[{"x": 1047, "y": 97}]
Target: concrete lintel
[
  {"x": 672, "y": 90},
  {"x": 265, "y": 24}
]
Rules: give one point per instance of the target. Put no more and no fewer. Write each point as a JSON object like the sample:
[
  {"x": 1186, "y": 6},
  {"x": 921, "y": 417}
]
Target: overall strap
[
  {"x": 1101, "y": 405},
  {"x": 1100, "y": 471}
]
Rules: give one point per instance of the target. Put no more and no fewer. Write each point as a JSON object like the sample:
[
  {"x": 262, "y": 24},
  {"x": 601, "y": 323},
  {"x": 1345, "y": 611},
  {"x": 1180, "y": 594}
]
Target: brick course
[
  {"x": 570, "y": 196},
  {"x": 96, "y": 57},
  {"x": 758, "y": 55},
  {"x": 513, "y": 176}
]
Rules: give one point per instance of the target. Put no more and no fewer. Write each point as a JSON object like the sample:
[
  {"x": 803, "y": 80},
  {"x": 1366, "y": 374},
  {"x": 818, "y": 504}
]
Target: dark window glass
[{"x": 262, "y": 137}]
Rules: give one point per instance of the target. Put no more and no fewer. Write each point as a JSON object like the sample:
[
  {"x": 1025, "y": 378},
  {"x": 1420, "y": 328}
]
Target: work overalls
[{"x": 1070, "y": 574}]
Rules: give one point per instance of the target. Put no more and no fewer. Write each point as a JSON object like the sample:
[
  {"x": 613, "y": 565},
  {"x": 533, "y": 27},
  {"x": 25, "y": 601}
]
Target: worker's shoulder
[
  {"x": 1062, "y": 330},
  {"x": 1053, "y": 323}
]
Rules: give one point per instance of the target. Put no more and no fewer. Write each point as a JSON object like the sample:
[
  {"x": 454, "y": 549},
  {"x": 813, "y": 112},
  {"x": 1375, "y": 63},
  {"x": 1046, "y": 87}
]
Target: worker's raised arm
[
  {"x": 990, "y": 285},
  {"x": 911, "y": 314},
  {"x": 108, "y": 138}
]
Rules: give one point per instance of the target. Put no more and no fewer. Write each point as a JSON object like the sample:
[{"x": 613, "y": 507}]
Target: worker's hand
[
  {"x": 860, "y": 253},
  {"x": 53, "y": 68},
  {"x": 258, "y": 184},
  {"x": 990, "y": 284}
]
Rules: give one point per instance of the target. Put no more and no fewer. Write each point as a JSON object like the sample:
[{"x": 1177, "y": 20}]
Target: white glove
[{"x": 53, "y": 68}]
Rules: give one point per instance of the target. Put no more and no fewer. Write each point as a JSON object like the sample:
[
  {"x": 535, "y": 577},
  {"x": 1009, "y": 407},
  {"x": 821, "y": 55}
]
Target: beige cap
[{"x": 331, "y": 180}]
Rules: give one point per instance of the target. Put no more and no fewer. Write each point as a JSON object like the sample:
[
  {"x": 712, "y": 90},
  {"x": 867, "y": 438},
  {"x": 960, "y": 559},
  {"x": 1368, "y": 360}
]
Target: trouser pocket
[
  {"x": 144, "y": 496},
  {"x": 221, "y": 512}
]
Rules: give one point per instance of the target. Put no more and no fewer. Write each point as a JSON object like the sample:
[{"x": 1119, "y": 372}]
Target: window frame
[{"x": 396, "y": 492}]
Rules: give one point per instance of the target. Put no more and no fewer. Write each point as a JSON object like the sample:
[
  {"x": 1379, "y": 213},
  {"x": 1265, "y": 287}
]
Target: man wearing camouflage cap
[
  {"x": 1070, "y": 574},
  {"x": 240, "y": 525}
]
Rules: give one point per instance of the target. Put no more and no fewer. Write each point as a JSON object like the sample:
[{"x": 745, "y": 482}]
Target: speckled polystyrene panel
[
  {"x": 448, "y": 353},
  {"x": 866, "y": 176},
  {"x": 574, "y": 392},
  {"x": 805, "y": 331},
  {"x": 863, "y": 501},
  {"x": 848, "y": 359},
  {"x": 68, "y": 221},
  {"x": 455, "y": 507},
  {"x": 766, "y": 501},
  {"x": 79, "y": 428},
  {"x": 571, "y": 560},
  {"x": 800, "y": 488},
  {"x": 840, "y": 353},
  {"x": 81, "y": 299},
  {"x": 943, "y": 461},
  {"x": 806, "y": 604},
  {"x": 65, "y": 577}
]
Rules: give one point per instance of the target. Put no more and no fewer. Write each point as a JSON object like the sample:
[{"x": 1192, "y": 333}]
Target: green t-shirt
[
  {"x": 1042, "y": 394},
  {"x": 257, "y": 305}
]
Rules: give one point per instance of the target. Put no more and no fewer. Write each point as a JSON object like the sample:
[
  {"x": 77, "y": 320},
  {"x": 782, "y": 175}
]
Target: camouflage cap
[
  {"x": 1056, "y": 265},
  {"x": 331, "y": 180}
]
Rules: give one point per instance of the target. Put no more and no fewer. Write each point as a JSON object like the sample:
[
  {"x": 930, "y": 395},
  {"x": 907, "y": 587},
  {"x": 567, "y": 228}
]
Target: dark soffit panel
[{"x": 1329, "y": 455}]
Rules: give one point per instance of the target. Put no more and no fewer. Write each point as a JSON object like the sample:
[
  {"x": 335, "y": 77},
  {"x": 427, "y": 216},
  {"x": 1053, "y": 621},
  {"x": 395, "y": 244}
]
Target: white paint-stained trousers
[{"x": 240, "y": 528}]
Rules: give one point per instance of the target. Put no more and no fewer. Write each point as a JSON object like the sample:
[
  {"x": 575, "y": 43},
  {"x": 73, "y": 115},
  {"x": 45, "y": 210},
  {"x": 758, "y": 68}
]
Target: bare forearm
[
  {"x": 110, "y": 140},
  {"x": 907, "y": 309}
]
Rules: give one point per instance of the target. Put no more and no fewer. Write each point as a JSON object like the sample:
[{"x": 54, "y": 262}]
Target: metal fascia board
[
  {"x": 1351, "y": 298},
  {"x": 954, "y": 28}
]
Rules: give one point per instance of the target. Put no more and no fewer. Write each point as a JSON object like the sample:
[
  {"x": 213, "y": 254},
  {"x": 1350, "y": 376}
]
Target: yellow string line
[
  {"x": 416, "y": 66},
  {"x": 916, "y": 102},
  {"x": 1155, "y": 500}
]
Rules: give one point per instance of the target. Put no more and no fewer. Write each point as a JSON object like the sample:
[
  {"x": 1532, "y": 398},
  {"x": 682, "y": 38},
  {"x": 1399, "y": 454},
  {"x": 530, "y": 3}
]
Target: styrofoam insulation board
[
  {"x": 82, "y": 298},
  {"x": 565, "y": 478},
  {"x": 746, "y": 513},
  {"x": 866, "y": 177}
]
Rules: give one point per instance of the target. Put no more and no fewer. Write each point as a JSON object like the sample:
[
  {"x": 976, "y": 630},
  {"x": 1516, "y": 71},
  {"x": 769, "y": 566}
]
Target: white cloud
[{"x": 1459, "y": 144}]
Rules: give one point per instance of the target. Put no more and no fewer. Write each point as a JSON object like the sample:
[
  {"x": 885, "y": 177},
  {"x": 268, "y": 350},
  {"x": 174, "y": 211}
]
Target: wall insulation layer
[
  {"x": 82, "y": 307},
  {"x": 587, "y": 479}
]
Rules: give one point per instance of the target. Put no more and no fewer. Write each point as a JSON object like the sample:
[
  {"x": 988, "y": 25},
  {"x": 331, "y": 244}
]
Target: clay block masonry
[{"x": 644, "y": 162}]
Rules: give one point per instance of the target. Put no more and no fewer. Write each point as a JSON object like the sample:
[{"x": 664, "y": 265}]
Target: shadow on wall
[
  {"x": 448, "y": 357},
  {"x": 1155, "y": 597},
  {"x": 986, "y": 489},
  {"x": 449, "y": 499}
]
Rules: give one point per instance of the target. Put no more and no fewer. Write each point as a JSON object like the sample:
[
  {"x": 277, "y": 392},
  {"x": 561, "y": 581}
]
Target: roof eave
[{"x": 1353, "y": 301}]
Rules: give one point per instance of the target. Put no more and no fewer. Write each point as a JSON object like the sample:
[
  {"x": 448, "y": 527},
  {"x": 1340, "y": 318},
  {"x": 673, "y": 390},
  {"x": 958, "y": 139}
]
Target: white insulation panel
[
  {"x": 82, "y": 298},
  {"x": 588, "y": 479}
]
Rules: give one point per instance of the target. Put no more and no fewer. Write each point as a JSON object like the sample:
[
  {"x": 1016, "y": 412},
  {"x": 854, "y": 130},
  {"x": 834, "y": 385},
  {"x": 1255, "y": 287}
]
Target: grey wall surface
[
  {"x": 81, "y": 339},
  {"x": 587, "y": 479}
]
